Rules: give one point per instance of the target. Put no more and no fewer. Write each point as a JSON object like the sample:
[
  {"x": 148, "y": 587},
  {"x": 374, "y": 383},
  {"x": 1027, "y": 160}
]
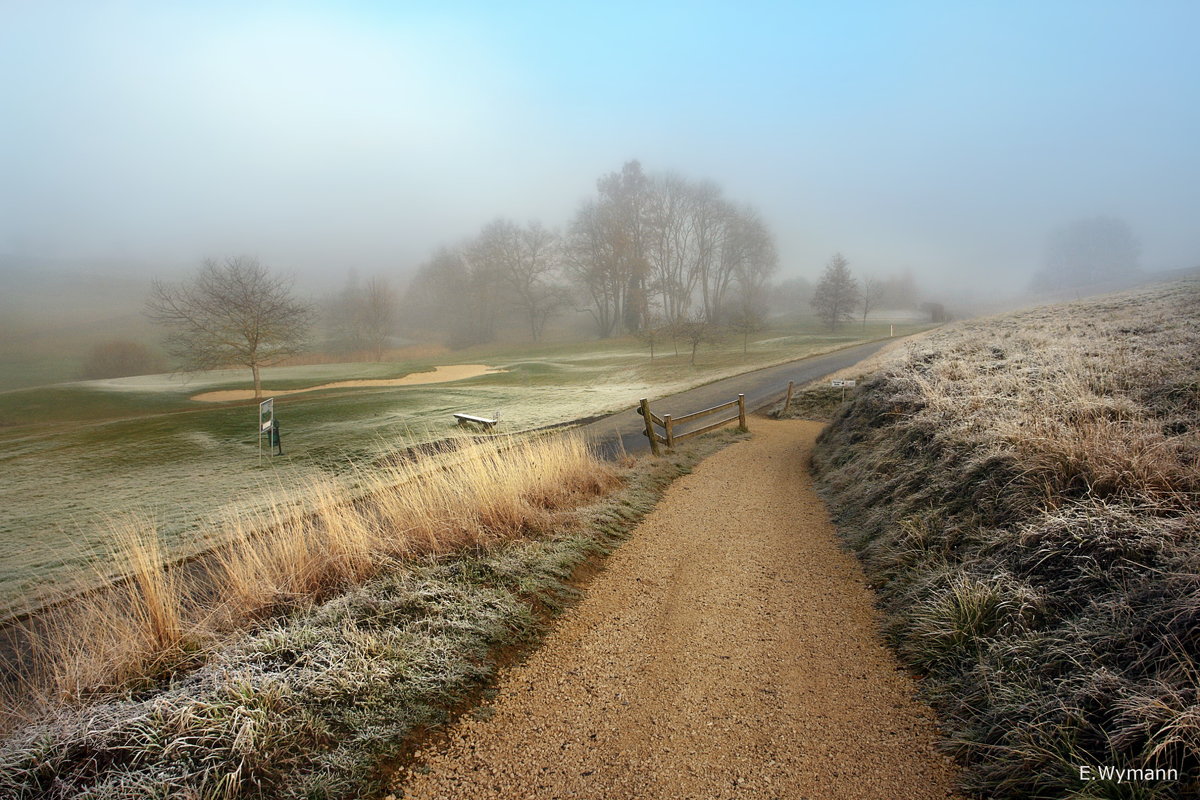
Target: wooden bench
[{"x": 484, "y": 422}]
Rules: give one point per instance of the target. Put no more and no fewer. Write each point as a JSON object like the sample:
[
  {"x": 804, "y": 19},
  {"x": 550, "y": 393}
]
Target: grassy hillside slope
[{"x": 1024, "y": 492}]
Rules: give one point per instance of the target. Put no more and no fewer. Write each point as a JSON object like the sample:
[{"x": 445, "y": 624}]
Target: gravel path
[{"x": 728, "y": 650}]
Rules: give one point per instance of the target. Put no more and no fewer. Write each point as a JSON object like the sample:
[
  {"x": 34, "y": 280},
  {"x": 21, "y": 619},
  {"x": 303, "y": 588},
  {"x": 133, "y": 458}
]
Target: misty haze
[{"x": 617, "y": 400}]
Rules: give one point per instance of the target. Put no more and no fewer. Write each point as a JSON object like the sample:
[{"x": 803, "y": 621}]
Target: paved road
[{"x": 762, "y": 388}]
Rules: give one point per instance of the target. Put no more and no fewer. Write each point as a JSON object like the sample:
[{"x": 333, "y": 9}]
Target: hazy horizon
[{"x": 945, "y": 139}]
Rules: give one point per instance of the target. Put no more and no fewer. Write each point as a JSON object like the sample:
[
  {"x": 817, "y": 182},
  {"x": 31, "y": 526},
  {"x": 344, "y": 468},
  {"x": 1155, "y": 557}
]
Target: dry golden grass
[
  {"x": 1098, "y": 403},
  {"x": 467, "y": 496},
  {"x": 1024, "y": 492}
]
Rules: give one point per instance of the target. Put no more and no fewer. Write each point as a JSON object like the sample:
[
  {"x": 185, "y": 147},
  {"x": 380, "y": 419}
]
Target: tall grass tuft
[
  {"x": 132, "y": 631},
  {"x": 465, "y": 495}
]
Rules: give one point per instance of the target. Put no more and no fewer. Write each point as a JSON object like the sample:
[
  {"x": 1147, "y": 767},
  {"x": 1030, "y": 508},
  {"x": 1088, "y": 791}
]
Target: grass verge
[
  {"x": 1024, "y": 493},
  {"x": 313, "y": 703},
  {"x": 471, "y": 494}
]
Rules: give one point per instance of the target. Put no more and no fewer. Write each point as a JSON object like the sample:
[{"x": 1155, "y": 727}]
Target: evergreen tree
[{"x": 836, "y": 296}]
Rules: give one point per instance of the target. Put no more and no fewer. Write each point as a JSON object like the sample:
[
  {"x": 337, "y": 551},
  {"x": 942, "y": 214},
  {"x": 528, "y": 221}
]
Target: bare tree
[
  {"x": 872, "y": 290},
  {"x": 364, "y": 316},
  {"x": 232, "y": 312},
  {"x": 664, "y": 241},
  {"x": 670, "y": 236},
  {"x": 836, "y": 294},
  {"x": 755, "y": 263},
  {"x": 697, "y": 331},
  {"x": 592, "y": 263},
  {"x": 456, "y": 295},
  {"x": 747, "y": 321},
  {"x": 752, "y": 263},
  {"x": 652, "y": 333},
  {"x": 341, "y": 316},
  {"x": 377, "y": 315},
  {"x": 526, "y": 260},
  {"x": 710, "y": 218},
  {"x": 623, "y": 198},
  {"x": 533, "y": 277}
]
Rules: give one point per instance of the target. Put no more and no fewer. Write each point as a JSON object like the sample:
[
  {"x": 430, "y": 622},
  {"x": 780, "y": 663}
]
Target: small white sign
[
  {"x": 266, "y": 416},
  {"x": 266, "y": 413},
  {"x": 842, "y": 383}
]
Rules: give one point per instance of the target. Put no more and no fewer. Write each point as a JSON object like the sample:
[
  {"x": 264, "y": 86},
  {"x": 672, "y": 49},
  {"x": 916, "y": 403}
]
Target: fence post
[
  {"x": 649, "y": 426},
  {"x": 742, "y": 412},
  {"x": 787, "y": 403},
  {"x": 670, "y": 431}
]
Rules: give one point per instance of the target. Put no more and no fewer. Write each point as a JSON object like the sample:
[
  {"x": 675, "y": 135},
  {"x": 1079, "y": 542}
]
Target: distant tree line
[
  {"x": 118, "y": 358},
  {"x": 839, "y": 297},
  {"x": 463, "y": 292},
  {"x": 661, "y": 257},
  {"x": 645, "y": 252},
  {"x": 362, "y": 318}
]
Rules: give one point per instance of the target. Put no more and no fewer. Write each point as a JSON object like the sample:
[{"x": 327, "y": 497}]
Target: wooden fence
[{"x": 667, "y": 423}]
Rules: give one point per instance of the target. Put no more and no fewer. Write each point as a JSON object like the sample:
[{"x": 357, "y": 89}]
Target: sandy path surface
[
  {"x": 455, "y": 372},
  {"x": 728, "y": 650}
]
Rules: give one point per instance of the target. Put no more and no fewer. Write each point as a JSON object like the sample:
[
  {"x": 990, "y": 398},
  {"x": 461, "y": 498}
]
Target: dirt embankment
[{"x": 728, "y": 650}]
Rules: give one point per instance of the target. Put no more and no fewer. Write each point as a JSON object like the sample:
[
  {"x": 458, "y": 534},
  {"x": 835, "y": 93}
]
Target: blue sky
[{"x": 945, "y": 137}]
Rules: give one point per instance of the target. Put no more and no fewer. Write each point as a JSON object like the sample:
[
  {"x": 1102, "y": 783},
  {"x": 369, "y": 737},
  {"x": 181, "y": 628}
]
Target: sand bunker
[{"x": 456, "y": 372}]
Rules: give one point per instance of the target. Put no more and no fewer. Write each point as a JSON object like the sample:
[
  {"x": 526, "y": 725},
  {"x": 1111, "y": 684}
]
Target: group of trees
[
  {"x": 655, "y": 256},
  {"x": 661, "y": 257},
  {"x": 660, "y": 250},
  {"x": 896, "y": 291},
  {"x": 363, "y": 317},
  {"x": 645, "y": 252},
  {"x": 840, "y": 297},
  {"x": 463, "y": 292},
  {"x": 236, "y": 311}
]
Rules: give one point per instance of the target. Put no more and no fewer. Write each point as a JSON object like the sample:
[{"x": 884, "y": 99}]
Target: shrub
[{"x": 118, "y": 358}]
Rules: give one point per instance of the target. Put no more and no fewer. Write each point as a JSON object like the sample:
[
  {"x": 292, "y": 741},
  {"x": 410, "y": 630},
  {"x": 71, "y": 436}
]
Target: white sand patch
[{"x": 456, "y": 372}]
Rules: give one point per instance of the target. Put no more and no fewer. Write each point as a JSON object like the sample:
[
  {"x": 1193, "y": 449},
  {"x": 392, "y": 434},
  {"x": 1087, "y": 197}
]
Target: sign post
[
  {"x": 266, "y": 415},
  {"x": 843, "y": 384}
]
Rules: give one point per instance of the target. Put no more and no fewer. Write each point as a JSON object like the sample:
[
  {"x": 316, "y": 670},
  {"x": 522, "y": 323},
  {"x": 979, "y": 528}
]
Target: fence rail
[{"x": 667, "y": 423}]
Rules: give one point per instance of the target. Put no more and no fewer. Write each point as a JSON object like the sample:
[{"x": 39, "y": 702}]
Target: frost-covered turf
[
  {"x": 1024, "y": 493},
  {"x": 75, "y": 455},
  {"x": 318, "y": 702}
]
